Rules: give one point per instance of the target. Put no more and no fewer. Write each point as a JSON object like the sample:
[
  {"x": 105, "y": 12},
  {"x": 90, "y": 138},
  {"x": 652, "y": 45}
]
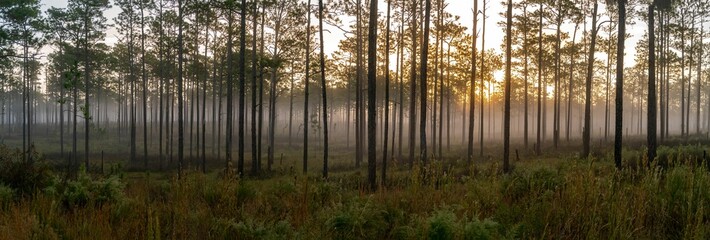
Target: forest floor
[{"x": 557, "y": 195}]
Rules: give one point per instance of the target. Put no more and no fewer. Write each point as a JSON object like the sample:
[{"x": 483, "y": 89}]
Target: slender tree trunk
[
  {"x": 323, "y": 89},
  {"x": 423, "y": 84},
  {"x": 482, "y": 85},
  {"x": 571, "y": 82},
  {"x": 230, "y": 88},
  {"x": 371, "y": 97},
  {"x": 588, "y": 95},
  {"x": 306, "y": 88},
  {"x": 539, "y": 86},
  {"x": 242, "y": 84},
  {"x": 145, "y": 96},
  {"x": 651, "y": 124},
  {"x": 472, "y": 93},
  {"x": 621, "y": 4},
  {"x": 526, "y": 114},
  {"x": 358, "y": 87},
  {"x": 387, "y": 84},
  {"x": 506, "y": 118},
  {"x": 254, "y": 104},
  {"x": 413, "y": 85}
]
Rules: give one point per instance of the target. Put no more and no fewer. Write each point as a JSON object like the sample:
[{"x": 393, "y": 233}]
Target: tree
[
  {"x": 242, "y": 81},
  {"x": 88, "y": 25},
  {"x": 371, "y": 97},
  {"x": 423, "y": 83},
  {"x": 618, "y": 126},
  {"x": 387, "y": 92},
  {"x": 413, "y": 84},
  {"x": 588, "y": 92},
  {"x": 323, "y": 90},
  {"x": 506, "y": 134},
  {"x": 305, "y": 88},
  {"x": 651, "y": 114},
  {"x": 230, "y": 87},
  {"x": 472, "y": 93}
]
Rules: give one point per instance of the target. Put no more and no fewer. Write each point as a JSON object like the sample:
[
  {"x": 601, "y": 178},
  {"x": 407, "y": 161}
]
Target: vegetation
[
  {"x": 118, "y": 119},
  {"x": 562, "y": 197}
]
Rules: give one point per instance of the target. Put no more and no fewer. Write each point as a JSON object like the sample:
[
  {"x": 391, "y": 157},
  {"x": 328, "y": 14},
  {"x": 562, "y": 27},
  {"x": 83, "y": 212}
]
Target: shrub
[
  {"x": 481, "y": 230},
  {"x": 84, "y": 190},
  {"x": 24, "y": 176},
  {"x": 7, "y": 194},
  {"x": 442, "y": 225}
]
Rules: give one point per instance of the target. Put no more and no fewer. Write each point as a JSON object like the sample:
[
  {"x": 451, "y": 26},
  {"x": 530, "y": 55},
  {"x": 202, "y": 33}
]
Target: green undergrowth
[{"x": 559, "y": 198}]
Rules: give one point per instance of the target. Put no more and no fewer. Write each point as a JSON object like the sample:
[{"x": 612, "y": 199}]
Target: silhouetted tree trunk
[
  {"x": 144, "y": 77},
  {"x": 387, "y": 89},
  {"x": 181, "y": 125},
  {"x": 413, "y": 85},
  {"x": 506, "y": 119},
  {"x": 423, "y": 84},
  {"x": 586, "y": 134},
  {"x": 242, "y": 81},
  {"x": 621, "y": 7},
  {"x": 306, "y": 88},
  {"x": 254, "y": 104},
  {"x": 482, "y": 85},
  {"x": 525, "y": 76},
  {"x": 539, "y": 85},
  {"x": 230, "y": 87},
  {"x": 472, "y": 93},
  {"x": 651, "y": 124},
  {"x": 371, "y": 97},
  {"x": 358, "y": 87},
  {"x": 323, "y": 90}
]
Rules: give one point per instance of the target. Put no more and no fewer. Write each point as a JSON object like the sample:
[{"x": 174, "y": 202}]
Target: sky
[{"x": 461, "y": 8}]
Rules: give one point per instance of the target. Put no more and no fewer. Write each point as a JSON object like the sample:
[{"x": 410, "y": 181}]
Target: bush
[
  {"x": 24, "y": 176},
  {"x": 481, "y": 230},
  {"x": 85, "y": 190},
  {"x": 442, "y": 225},
  {"x": 7, "y": 194}
]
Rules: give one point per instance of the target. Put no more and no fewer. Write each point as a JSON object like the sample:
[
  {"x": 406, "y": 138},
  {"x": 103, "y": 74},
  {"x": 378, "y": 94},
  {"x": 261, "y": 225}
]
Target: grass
[{"x": 560, "y": 197}]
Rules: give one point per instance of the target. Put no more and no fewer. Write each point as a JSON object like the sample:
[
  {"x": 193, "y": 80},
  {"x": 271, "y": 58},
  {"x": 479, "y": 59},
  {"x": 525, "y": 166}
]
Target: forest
[{"x": 354, "y": 119}]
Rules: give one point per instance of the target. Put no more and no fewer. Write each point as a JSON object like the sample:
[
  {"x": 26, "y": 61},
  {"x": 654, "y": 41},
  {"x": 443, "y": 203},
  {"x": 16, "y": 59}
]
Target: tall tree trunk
[
  {"x": 242, "y": 84},
  {"x": 230, "y": 88},
  {"x": 423, "y": 83},
  {"x": 619, "y": 121},
  {"x": 588, "y": 93},
  {"x": 413, "y": 85},
  {"x": 387, "y": 86},
  {"x": 144, "y": 78},
  {"x": 526, "y": 114},
  {"x": 508, "y": 62},
  {"x": 571, "y": 82},
  {"x": 539, "y": 85},
  {"x": 371, "y": 97},
  {"x": 699, "y": 77},
  {"x": 254, "y": 104},
  {"x": 472, "y": 93},
  {"x": 651, "y": 124},
  {"x": 482, "y": 85},
  {"x": 358, "y": 87},
  {"x": 306, "y": 88},
  {"x": 323, "y": 90}
]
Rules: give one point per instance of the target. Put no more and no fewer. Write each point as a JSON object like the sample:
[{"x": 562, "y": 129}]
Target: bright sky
[{"x": 462, "y": 8}]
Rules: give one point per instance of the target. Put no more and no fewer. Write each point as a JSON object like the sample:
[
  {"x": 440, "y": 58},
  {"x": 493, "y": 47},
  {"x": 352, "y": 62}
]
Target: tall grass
[{"x": 564, "y": 198}]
